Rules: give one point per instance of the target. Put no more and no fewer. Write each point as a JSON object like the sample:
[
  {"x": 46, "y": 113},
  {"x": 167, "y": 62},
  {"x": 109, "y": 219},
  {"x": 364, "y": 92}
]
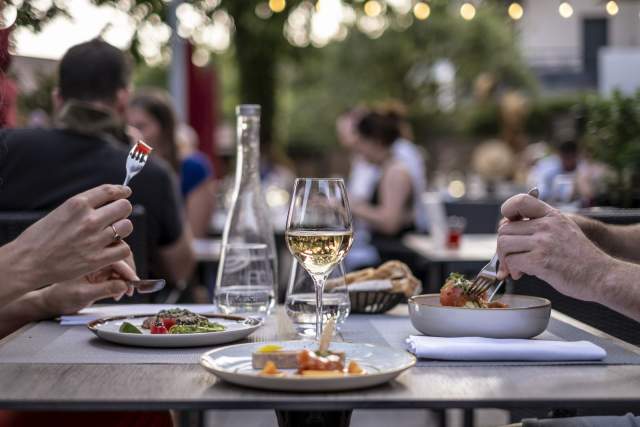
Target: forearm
[
  {"x": 28, "y": 308},
  {"x": 17, "y": 271},
  {"x": 377, "y": 218},
  {"x": 620, "y": 289},
  {"x": 619, "y": 241}
]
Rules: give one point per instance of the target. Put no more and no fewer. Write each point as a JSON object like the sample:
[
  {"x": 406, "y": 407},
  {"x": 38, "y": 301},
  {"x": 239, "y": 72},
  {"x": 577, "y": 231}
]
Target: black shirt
[{"x": 41, "y": 168}]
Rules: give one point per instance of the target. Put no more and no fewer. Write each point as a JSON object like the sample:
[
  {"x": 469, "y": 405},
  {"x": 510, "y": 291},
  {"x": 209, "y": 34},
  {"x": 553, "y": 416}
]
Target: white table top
[{"x": 473, "y": 247}]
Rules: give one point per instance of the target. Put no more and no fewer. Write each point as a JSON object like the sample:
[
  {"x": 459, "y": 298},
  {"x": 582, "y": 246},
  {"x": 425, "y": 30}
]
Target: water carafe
[{"x": 246, "y": 282}]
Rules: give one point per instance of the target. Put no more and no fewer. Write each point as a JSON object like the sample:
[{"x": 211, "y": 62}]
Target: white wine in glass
[{"x": 319, "y": 231}]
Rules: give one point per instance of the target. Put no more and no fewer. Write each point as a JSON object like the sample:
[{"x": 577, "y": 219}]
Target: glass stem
[{"x": 319, "y": 281}]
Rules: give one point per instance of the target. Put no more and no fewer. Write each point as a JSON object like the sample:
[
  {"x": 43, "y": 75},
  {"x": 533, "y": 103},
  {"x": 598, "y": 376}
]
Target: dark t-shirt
[{"x": 41, "y": 168}]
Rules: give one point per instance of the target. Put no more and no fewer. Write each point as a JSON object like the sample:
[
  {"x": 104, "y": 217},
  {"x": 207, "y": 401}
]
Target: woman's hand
[
  {"x": 73, "y": 295},
  {"x": 81, "y": 235}
]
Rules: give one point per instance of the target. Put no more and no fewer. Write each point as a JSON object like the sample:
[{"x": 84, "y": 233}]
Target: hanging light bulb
[
  {"x": 516, "y": 11},
  {"x": 421, "y": 10},
  {"x": 467, "y": 11},
  {"x": 277, "y": 6},
  {"x": 565, "y": 9},
  {"x": 372, "y": 8},
  {"x": 612, "y": 8}
]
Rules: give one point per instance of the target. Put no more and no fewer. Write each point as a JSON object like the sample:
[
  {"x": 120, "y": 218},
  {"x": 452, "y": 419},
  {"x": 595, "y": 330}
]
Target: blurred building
[
  {"x": 29, "y": 72},
  {"x": 579, "y": 44}
]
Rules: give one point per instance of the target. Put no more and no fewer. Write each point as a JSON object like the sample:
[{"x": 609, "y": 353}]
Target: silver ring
[{"x": 116, "y": 236}]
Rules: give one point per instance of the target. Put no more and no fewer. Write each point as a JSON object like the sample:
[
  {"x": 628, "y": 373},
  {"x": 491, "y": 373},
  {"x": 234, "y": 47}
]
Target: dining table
[
  {"x": 48, "y": 366},
  {"x": 474, "y": 251}
]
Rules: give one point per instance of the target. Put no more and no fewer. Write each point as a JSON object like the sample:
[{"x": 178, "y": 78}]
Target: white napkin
[
  {"x": 371, "y": 285},
  {"x": 92, "y": 313},
  {"x": 487, "y": 349}
]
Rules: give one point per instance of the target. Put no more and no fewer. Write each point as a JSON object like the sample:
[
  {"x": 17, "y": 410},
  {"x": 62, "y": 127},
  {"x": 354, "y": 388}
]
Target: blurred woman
[
  {"x": 389, "y": 211},
  {"x": 150, "y": 111}
]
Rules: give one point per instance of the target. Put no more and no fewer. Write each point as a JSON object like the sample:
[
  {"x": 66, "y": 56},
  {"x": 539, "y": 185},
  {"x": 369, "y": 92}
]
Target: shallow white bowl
[{"x": 526, "y": 317}]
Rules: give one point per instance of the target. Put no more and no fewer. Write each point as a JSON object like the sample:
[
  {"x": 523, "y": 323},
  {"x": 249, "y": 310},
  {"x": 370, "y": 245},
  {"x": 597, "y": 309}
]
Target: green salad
[{"x": 196, "y": 329}]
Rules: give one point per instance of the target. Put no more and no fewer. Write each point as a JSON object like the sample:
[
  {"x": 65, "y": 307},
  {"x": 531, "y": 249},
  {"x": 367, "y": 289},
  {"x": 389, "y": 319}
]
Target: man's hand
[
  {"x": 72, "y": 296},
  {"x": 550, "y": 246},
  {"x": 77, "y": 237}
]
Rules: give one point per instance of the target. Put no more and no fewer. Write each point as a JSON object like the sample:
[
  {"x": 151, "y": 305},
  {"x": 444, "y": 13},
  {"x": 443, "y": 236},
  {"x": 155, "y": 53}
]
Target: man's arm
[
  {"x": 620, "y": 289},
  {"x": 619, "y": 241}
]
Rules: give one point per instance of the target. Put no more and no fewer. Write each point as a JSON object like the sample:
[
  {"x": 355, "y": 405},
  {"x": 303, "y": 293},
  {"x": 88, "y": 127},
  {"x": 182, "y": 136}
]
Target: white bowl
[{"x": 526, "y": 317}]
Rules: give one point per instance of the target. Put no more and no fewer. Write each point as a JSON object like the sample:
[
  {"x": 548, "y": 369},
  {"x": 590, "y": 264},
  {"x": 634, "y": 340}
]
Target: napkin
[
  {"x": 488, "y": 349},
  {"x": 92, "y": 313},
  {"x": 371, "y": 285}
]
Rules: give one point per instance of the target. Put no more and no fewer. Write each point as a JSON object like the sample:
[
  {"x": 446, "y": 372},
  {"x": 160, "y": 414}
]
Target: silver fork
[
  {"x": 488, "y": 276},
  {"x": 136, "y": 159}
]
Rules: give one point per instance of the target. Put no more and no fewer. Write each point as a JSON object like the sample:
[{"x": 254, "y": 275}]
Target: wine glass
[{"x": 319, "y": 230}]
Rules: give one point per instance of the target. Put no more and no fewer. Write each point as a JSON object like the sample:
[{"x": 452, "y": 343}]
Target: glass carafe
[{"x": 248, "y": 222}]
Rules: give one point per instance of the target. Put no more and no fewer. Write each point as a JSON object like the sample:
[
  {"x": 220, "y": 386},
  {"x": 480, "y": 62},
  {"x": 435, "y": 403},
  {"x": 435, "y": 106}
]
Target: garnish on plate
[
  {"x": 180, "y": 321},
  {"x": 319, "y": 363},
  {"x": 455, "y": 293},
  {"x": 128, "y": 328}
]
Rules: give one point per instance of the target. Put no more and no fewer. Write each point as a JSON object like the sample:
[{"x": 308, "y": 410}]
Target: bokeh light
[
  {"x": 456, "y": 188},
  {"x": 8, "y": 16},
  {"x": 467, "y": 11},
  {"x": 515, "y": 11},
  {"x": 277, "y": 6},
  {"x": 565, "y": 10},
  {"x": 372, "y": 8},
  {"x": 612, "y": 8},
  {"x": 421, "y": 10}
]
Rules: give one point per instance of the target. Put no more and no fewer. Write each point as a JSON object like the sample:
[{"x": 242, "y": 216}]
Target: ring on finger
[{"x": 116, "y": 237}]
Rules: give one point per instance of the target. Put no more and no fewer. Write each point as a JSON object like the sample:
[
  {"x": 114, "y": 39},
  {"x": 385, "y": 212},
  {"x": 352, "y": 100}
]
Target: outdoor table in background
[
  {"x": 179, "y": 383},
  {"x": 474, "y": 252}
]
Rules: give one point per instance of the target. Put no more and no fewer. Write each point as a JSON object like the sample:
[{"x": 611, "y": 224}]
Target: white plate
[
  {"x": 233, "y": 364},
  {"x": 237, "y": 327},
  {"x": 526, "y": 317}
]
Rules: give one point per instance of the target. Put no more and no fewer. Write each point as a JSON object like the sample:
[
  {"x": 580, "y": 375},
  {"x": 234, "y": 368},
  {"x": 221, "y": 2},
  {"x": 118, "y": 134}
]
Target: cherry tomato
[
  {"x": 168, "y": 322},
  {"x": 159, "y": 328},
  {"x": 453, "y": 296}
]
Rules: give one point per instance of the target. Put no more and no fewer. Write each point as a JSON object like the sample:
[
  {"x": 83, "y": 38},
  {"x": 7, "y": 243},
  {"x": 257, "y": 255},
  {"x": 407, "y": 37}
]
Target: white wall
[
  {"x": 544, "y": 33},
  {"x": 618, "y": 69}
]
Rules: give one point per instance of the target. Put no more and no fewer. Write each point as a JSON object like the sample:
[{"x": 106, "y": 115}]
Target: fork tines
[
  {"x": 480, "y": 285},
  {"x": 140, "y": 151}
]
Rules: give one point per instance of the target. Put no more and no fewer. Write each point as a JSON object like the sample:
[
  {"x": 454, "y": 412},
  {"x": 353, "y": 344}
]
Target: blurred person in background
[
  {"x": 555, "y": 175},
  {"x": 388, "y": 213},
  {"x": 151, "y": 112},
  {"x": 8, "y": 88},
  {"x": 89, "y": 146}
]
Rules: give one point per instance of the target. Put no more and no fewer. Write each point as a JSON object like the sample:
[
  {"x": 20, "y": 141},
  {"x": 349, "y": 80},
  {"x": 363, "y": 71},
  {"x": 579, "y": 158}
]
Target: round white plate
[
  {"x": 525, "y": 317},
  {"x": 237, "y": 327},
  {"x": 233, "y": 364}
]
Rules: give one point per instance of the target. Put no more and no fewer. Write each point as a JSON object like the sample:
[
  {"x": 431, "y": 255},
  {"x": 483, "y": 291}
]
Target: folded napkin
[
  {"x": 92, "y": 313},
  {"x": 371, "y": 285},
  {"x": 488, "y": 349}
]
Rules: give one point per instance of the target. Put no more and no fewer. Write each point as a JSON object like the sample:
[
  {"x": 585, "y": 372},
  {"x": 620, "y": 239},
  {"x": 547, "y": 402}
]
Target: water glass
[
  {"x": 300, "y": 303},
  {"x": 246, "y": 285}
]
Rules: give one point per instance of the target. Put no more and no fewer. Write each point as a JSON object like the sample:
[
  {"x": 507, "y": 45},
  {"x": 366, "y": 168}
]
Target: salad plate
[
  {"x": 379, "y": 365},
  {"x": 130, "y": 330}
]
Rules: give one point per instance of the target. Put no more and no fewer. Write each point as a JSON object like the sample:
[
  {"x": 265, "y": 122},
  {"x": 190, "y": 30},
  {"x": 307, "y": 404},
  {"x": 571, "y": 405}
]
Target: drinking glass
[
  {"x": 319, "y": 230},
  {"x": 300, "y": 303},
  {"x": 247, "y": 285}
]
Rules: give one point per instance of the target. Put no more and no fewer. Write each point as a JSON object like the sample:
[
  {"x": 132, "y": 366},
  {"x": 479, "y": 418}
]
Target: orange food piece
[
  {"x": 270, "y": 368},
  {"x": 354, "y": 368},
  {"x": 453, "y": 296},
  {"x": 309, "y": 361}
]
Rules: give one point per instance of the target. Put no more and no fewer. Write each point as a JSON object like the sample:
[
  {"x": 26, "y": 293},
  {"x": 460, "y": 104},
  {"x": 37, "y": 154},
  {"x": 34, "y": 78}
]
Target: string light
[
  {"x": 612, "y": 8},
  {"x": 277, "y": 6},
  {"x": 515, "y": 11},
  {"x": 372, "y": 8},
  {"x": 468, "y": 11},
  {"x": 565, "y": 9},
  {"x": 421, "y": 10}
]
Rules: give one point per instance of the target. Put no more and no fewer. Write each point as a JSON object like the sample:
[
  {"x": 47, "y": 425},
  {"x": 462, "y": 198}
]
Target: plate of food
[
  {"x": 306, "y": 365},
  {"x": 454, "y": 313},
  {"x": 176, "y": 327}
]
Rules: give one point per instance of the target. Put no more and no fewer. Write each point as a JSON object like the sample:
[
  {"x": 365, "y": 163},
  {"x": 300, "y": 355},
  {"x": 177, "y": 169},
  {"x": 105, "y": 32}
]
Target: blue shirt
[{"x": 195, "y": 169}]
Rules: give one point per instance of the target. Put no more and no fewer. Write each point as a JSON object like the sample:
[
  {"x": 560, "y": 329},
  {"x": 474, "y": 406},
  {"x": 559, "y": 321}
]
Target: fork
[
  {"x": 136, "y": 159},
  {"x": 488, "y": 276}
]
